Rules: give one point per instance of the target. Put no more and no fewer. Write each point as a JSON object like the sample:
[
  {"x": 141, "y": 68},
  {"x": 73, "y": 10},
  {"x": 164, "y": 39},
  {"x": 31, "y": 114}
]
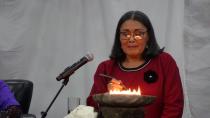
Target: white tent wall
[
  {"x": 197, "y": 64},
  {"x": 40, "y": 38}
]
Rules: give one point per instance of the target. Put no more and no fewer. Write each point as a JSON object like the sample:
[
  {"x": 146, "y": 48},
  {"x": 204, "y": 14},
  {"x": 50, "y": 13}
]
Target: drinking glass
[{"x": 72, "y": 103}]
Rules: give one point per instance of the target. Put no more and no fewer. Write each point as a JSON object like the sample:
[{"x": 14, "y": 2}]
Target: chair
[{"x": 22, "y": 90}]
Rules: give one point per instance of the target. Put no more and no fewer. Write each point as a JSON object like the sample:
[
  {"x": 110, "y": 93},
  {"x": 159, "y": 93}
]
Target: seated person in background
[{"x": 8, "y": 102}]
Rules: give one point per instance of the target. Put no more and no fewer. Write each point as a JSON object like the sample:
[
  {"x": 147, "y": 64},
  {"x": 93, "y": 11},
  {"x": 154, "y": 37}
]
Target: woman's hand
[
  {"x": 115, "y": 84},
  {"x": 14, "y": 111}
]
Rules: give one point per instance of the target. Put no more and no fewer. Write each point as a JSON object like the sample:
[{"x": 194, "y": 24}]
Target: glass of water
[{"x": 72, "y": 103}]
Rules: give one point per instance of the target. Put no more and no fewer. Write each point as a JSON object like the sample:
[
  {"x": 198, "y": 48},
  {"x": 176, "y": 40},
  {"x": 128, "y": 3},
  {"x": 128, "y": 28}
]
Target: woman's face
[{"x": 133, "y": 38}]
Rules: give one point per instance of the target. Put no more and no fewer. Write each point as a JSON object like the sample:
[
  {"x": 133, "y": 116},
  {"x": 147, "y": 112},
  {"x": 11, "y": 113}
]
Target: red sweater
[{"x": 165, "y": 84}]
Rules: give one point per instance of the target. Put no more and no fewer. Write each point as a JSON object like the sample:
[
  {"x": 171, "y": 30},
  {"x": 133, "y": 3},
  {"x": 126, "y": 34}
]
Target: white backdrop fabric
[
  {"x": 197, "y": 58},
  {"x": 40, "y": 38}
]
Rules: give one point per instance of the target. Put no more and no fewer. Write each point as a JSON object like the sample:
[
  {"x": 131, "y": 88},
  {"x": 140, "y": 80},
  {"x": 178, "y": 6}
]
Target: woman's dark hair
[{"x": 152, "y": 49}]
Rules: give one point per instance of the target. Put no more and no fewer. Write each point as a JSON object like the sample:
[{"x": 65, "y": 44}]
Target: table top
[{"x": 4, "y": 114}]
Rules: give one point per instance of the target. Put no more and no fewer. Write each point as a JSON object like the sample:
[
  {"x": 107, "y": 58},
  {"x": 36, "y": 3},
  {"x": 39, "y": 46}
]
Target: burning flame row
[{"x": 126, "y": 92}]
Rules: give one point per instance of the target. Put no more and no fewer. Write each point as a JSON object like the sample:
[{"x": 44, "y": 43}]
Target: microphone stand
[{"x": 44, "y": 113}]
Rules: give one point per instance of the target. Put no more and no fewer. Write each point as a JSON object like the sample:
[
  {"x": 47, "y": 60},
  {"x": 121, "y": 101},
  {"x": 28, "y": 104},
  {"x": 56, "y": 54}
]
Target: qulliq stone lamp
[{"x": 122, "y": 105}]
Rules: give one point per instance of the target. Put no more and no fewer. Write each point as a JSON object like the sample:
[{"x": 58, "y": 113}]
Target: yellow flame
[{"x": 126, "y": 92}]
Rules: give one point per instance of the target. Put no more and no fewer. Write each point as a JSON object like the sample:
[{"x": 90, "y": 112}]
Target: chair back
[{"x": 22, "y": 90}]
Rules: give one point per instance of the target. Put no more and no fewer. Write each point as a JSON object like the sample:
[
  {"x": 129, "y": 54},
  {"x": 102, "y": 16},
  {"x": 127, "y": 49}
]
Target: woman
[
  {"x": 8, "y": 103},
  {"x": 137, "y": 61}
]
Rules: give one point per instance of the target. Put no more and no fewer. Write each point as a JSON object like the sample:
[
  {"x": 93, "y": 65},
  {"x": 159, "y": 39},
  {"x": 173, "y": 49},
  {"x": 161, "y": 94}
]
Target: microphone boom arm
[{"x": 65, "y": 75}]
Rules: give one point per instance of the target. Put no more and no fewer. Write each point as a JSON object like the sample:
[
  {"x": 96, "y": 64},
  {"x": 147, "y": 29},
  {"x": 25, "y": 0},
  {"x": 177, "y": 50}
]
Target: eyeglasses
[{"x": 137, "y": 35}]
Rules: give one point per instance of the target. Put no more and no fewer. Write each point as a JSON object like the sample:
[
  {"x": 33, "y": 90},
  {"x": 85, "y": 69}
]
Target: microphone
[{"x": 70, "y": 70}]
